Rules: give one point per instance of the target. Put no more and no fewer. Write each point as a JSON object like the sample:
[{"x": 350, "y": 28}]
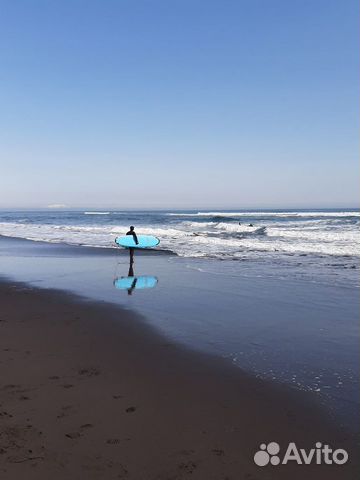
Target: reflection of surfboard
[
  {"x": 145, "y": 241},
  {"x": 127, "y": 283}
]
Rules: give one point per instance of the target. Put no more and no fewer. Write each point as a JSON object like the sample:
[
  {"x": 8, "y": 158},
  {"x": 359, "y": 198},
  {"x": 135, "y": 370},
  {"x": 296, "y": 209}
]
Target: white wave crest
[
  {"x": 353, "y": 213},
  {"x": 215, "y": 239},
  {"x": 96, "y": 213}
]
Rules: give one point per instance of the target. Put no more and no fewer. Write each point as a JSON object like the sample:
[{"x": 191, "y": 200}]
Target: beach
[
  {"x": 89, "y": 391},
  {"x": 179, "y": 241},
  {"x": 294, "y": 323},
  {"x": 97, "y": 383}
]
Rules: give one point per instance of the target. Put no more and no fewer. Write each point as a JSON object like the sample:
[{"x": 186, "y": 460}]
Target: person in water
[{"x": 131, "y": 250}]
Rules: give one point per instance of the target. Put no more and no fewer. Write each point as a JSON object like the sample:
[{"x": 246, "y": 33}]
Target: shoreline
[
  {"x": 85, "y": 249},
  {"x": 277, "y": 330},
  {"x": 91, "y": 390}
]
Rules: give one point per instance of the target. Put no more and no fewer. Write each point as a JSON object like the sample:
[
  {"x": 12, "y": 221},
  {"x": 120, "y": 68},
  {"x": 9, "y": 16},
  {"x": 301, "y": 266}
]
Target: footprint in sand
[
  {"x": 218, "y": 452},
  {"x": 130, "y": 409},
  {"x": 73, "y": 435},
  {"x": 98, "y": 464},
  {"x": 87, "y": 425},
  {"x": 5, "y": 414},
  {"x": 113, "y": 441}
]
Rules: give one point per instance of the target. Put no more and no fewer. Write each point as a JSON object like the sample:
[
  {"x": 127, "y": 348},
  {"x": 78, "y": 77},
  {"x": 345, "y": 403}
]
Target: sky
[{"x": 179, "y": 103}]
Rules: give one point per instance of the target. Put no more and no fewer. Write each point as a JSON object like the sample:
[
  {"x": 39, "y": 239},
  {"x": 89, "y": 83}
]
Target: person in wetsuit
[{"x": 131, "y": 250}]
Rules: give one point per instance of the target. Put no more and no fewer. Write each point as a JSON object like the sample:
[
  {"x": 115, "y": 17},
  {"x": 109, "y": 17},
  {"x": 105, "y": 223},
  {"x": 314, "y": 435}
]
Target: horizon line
[{"x": 209, "y": 208}]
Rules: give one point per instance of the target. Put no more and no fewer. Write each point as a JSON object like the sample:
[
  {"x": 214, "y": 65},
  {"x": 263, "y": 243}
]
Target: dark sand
[{"x": 89, "y": 392}]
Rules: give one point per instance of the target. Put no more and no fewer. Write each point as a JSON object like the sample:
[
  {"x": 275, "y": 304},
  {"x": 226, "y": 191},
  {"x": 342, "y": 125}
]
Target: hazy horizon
[
  {"x": 190, "y": 208},
  {"x": 175, "y": 104}
]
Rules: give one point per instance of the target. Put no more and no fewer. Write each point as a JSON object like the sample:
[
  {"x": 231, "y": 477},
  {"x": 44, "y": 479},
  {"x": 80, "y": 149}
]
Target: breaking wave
[{"x": 202, "y": 234}]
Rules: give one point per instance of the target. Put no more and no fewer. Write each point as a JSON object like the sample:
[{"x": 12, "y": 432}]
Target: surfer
[{"x": 131, "y": 250}]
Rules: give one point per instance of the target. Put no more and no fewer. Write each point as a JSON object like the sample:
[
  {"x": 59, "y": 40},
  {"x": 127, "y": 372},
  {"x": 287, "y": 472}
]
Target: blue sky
[{"x": 187, "y": 103}]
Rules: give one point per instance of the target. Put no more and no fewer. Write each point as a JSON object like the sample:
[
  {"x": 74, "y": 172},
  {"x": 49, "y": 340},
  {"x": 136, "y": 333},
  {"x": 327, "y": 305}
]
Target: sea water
[{"x": 322, "y": 245}]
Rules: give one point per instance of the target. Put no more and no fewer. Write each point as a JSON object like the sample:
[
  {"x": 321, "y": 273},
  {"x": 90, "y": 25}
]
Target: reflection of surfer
[
  {"x": 131, "y": 274},
  {"x": 131, "y": 250},
  {"x": 131, "y": 270}
]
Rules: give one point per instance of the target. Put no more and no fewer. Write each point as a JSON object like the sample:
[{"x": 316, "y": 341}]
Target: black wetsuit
[
  {"x": 134, "y": 235},
  {"x": 131, "y": 249}
]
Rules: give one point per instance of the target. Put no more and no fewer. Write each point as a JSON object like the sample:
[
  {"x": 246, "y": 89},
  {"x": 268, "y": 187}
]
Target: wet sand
[{"x": 89, "y": 391}]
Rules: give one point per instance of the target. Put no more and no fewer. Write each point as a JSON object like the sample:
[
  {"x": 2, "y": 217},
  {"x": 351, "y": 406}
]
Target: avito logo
[{"x": 270, "y": 454}]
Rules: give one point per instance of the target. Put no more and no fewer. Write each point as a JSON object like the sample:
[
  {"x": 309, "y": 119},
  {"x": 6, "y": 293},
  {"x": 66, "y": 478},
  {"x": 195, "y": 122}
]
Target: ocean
[{"x": 322, "y": 245}]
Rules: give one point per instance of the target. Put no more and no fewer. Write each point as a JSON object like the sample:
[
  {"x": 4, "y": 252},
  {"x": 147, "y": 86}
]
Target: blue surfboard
[
  {"x": 128, "y": 283},
  {"x": 145, "y": 241}
]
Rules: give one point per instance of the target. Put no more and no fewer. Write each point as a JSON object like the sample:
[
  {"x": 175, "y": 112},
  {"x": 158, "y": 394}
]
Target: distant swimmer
[
  {"x": 251, "y": 225},
  {"x": 131, "y": 250}
]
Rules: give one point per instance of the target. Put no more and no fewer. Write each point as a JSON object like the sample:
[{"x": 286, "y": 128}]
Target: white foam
[
  {"x": 353, "y": 213},
  {"x": 216, "y": 239},
  {"x": 96, "y": 213},
  {"x": 236, "y": 228}
]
